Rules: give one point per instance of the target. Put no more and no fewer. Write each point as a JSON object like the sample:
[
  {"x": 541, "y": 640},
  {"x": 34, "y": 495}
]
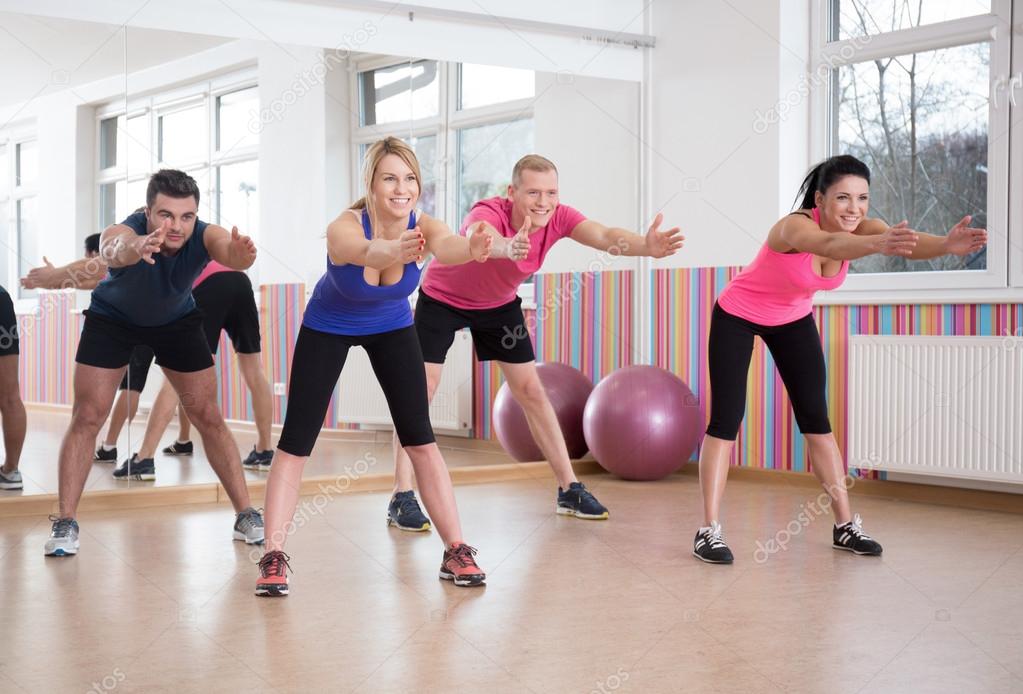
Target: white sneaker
[
  {"x": 63, "y": 538},
  {"x": 10, "y": 480}
]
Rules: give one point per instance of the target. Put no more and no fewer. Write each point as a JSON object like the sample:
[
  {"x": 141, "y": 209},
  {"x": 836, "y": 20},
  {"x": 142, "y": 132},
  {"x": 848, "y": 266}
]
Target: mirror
[{"x": 273, "y": 134}]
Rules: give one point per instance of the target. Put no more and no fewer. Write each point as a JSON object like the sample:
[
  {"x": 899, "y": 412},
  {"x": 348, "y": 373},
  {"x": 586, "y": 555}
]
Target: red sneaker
[
  {"x": 459, "y": 566},
  {"x": 273, "y": 574}
]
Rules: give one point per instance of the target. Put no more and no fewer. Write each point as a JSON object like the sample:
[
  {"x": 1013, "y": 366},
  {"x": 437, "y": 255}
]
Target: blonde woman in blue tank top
[{"x": 362, "y": 300}]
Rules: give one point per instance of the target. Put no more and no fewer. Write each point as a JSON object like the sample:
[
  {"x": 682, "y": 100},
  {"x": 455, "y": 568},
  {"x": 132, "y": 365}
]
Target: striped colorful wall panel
[{"x": 48, "y": 340}]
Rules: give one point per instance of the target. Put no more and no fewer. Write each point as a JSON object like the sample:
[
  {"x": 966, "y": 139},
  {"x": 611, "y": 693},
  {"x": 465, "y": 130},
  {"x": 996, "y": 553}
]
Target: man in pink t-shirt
[{"x": 484, "y": 298}]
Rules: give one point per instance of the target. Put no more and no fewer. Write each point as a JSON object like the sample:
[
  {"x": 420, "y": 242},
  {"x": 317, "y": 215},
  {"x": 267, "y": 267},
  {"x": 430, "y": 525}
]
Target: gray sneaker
[
  {"x": 10, "y": 480},
  {"x": 248, "y": 528},
  {"x": 63, "y": 538}
]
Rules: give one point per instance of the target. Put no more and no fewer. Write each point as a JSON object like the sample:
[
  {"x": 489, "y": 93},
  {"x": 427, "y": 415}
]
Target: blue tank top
[{"x": 343, "y": 303}]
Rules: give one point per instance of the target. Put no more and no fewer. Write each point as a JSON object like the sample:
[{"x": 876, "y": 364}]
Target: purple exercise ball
[
  {"x": 567, "y": 389},
  {"x": 642, "y": 423}
]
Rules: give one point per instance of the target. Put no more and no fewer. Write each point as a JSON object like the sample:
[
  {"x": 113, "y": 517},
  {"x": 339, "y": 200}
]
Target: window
[
  {"x": 203, "y": 129},
  {"x": 468, "y": 125},
  {"x": 911, "y": 90},
  {"x": 19, "y": 167}
]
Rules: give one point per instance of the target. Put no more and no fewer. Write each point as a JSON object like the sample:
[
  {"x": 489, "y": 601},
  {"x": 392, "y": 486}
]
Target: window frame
[
  {"x": 829, "y": 56},
  {"x": 11, "y": 138},
  {"x": 168, "y": 101}
]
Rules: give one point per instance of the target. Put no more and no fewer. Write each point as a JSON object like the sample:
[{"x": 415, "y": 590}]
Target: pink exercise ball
[
  {"x": 567, "y": 389},
  {"x": 642, "y": 423}
]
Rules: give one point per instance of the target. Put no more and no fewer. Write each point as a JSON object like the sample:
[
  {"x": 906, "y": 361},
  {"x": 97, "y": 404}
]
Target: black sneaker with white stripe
[
  {"x": 850, "y": 537},
  {"x": 709, "y": 545}
]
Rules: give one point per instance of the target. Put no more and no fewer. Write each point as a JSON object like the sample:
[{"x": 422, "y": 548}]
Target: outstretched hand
[
  {"x": 480, "y": 242},
  {"x": 963, "y": 239},
  {"x": 518, "y": 245},
  {"x": 39, "y": 277},
  {"x": 410, "y": 245},
  {"x": 661, "y": 244},
  {"x": 242, "y": 249},
  {"x": 898, "y": 240}
]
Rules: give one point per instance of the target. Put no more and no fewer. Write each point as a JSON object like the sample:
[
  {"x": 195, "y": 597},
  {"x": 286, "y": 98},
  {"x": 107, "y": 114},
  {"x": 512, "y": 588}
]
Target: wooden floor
[{"x": 160, "y": 600}]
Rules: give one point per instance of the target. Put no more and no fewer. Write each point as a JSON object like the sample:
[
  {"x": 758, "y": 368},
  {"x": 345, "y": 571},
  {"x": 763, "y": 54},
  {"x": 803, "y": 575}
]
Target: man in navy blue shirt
[{"x": 153, "y": 257}]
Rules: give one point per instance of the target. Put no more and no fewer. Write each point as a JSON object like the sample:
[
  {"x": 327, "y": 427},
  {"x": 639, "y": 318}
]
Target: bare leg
[
  {"x": 198, "y": 393},
  {"x": 715, "y": 456},
  {"x": 12, "y": 412},
  {"x": 125, "y": 409},
  {"x": 94, "y": 393},
  {"x": 282, "y": 487},
  {"x": 184, "y": 425},
  {"x": 262, "y": 399},
  {"x": 437, "y": 492},
  {"x": 159, "y": 418},
  {"x": 527, "y": 390},
  {"x": 826, "y": 461}
]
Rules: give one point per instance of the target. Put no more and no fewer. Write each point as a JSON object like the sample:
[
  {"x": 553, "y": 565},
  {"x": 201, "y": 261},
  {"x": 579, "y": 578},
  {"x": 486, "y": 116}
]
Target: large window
[
  {"x": 912, "y": 90},
  {"x": 203, "y": 130},
  {"x": 468, "y": 124},
  {"x": 19, "y": 165}
]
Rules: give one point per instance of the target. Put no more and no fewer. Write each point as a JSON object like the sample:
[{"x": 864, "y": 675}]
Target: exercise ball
[
  {"x": 567, "y": 389},
  {"x": 642, "y": 423}
]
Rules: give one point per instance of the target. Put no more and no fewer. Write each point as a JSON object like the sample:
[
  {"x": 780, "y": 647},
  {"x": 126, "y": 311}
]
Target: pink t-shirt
[
  {"x": 496, "y": 282},
  {"x": 212, "y": 268},
  {"x": 777, "y": 288}
]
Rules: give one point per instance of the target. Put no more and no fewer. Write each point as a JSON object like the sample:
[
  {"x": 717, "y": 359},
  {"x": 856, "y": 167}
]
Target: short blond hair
[{"x": 531, "y": 162}]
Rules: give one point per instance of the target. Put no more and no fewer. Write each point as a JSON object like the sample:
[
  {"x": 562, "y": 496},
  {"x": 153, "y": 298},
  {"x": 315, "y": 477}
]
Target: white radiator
[
  {"x": 947, "y": 406},
  {"x": 362, "y": 401}
]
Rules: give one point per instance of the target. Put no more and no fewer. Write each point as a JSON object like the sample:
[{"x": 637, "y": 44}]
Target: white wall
[
  {"x": 715, "y": 172},
  {"x": 589, "y": 128}
]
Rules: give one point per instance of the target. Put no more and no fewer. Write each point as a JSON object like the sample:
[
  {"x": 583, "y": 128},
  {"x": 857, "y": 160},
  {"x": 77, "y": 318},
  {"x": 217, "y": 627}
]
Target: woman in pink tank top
[{"x": 806, "y": 251}]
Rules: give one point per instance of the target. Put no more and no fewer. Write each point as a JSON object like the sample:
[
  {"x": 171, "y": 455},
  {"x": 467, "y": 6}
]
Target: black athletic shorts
[
  {"x": 226, "y": 302},
  {"x": 8, "y": 325},
  {"x": 498, "y": 334},
  {"x": 179, "y": 346},
  {"x": 138, "y": 369}
]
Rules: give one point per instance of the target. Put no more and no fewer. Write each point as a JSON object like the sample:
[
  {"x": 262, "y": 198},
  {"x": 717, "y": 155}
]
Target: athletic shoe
[
  {"x": 577, "y": 501},
  {"x": 850, "y": 537},
  {"x": 404, "y": 513},
  {"x": 258, "y": 460},
  {"x": 709, "y": 545},
  {"x": 459, "y": 566},
  {"x": 104, "y": 456},
  {"x": 63, "y": 540},
  {"x": 10, "y": 480},
  {"x": 178, "y": 448},
  {"x": 248, "y": 527},
  {"x": 273, "y": 574},
  {"x": 142, "y": 470}
]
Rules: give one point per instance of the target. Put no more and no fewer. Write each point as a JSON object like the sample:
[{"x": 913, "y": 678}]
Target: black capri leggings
[
  {"x": 796, "y": 348},
  {"x": 319, "y": 357}
]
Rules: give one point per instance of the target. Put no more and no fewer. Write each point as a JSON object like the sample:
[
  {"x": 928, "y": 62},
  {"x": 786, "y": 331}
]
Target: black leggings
[
  {"x": 796, "y": 348},
  {"x": 316, "y": 366}
]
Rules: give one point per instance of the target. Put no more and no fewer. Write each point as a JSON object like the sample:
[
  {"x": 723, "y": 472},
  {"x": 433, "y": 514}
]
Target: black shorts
[
  {"x": 8, "y": 325},
  {"x": 498, "y": 334},
  {"x": 316, "y": 366},
  {"x": 226, "y": 302},
  {"x": 138, "y": 369},
  {"x": 179, "y": 346}
]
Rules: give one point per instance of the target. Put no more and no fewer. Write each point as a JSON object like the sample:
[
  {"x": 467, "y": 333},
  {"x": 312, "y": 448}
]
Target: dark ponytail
[{"x": 826, "y": 173}]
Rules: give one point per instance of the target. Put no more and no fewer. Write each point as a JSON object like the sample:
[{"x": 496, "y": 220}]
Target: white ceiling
[{"x": 40, "y": 55}]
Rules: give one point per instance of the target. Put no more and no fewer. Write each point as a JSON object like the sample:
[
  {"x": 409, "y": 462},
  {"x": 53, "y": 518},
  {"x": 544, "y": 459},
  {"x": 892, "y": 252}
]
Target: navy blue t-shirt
[{"x": 152, "y": 295}]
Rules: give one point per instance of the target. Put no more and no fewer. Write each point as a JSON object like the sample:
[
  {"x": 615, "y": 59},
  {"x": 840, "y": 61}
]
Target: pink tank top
[
  {"x": 777, "y": 288},
  {"x": 212, "y": 268}
]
